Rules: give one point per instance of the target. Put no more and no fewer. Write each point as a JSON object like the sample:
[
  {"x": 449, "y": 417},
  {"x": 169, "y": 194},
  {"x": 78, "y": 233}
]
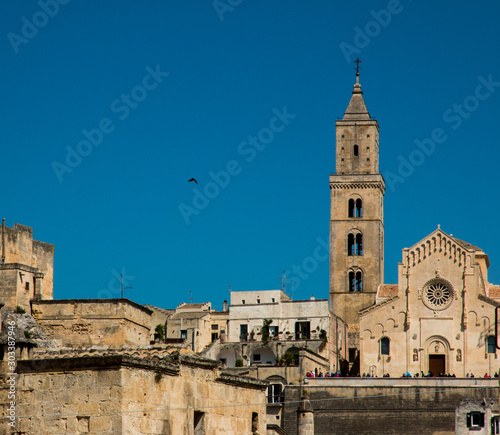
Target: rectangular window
[
  {"x": 243, "y": 301},
  {"x": 243, "y": 332},
  {"x": 256, "y": 357},
  {"x": 27, "y": 286},
  {"x": 302, "y": 330},
  {"x": 495, "y": 425},
  {"x": 215, "y": 336},
  {"x": 475, "y": 419},
  {"x": 184, "y": 333},
  {"x": 255, "y": 422},
  {"x": 215, "y": 327},
  {"x": 199, "y": 423},
  {"x": 274, "y": 393},
  {"x": 273, "y": 331}
]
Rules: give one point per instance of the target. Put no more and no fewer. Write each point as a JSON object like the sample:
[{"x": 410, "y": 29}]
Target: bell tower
[{"x": 356, "y": 215}]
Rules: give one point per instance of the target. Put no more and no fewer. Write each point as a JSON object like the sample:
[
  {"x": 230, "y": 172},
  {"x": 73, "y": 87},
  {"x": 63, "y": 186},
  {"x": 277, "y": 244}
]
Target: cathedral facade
[{"x": 440, "y": 316}]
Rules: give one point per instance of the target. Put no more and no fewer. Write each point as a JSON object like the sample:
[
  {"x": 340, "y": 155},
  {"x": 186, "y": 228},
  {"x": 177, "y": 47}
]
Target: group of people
[{"x": 339, "y": 374}]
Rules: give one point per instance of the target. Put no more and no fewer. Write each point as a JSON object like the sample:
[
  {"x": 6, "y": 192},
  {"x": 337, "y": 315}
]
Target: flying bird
[{"x": 192, "y": 179}]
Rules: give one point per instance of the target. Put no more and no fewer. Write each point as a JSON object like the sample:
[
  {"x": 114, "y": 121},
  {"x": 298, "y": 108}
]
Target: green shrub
[{"x": 239, "y": 363}]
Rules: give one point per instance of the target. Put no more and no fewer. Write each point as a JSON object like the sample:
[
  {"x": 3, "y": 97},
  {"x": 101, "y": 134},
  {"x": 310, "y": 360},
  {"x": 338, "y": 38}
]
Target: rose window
[{"x": 437, "y": 294}]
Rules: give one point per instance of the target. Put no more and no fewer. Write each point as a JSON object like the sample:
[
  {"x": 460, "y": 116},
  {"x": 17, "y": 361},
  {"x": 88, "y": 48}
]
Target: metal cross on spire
[{"x": 357, "y": 62}]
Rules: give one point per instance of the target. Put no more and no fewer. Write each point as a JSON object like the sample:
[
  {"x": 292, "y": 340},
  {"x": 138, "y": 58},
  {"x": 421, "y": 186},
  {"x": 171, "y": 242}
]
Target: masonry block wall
[
  {"x": 392, "y": 409},
  {"x": 101, "y": 322}
]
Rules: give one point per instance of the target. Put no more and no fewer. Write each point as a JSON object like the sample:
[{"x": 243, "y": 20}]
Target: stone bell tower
[{"x": 356, "y": 215}]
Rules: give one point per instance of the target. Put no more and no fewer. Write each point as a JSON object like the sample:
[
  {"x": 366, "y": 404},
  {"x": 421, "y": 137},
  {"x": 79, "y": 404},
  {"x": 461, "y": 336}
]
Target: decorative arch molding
[
  {"x": 485, "y": 323},
  {"x": 391, "y": 323},
  {"x": 472, "y": 314},
  {"x": 436, "y": 345},
  {"x": 382, "y": 329},
  {"x": 367, "y": 333},
  {"x": 438, "y": 244}
]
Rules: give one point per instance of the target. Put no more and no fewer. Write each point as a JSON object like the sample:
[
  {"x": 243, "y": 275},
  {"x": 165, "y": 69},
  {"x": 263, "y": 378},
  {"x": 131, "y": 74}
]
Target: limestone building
[
  {"x": 26, "y": 267},
  {"x": 356, "y": 218},
  {"x": 439, "y": 317}
]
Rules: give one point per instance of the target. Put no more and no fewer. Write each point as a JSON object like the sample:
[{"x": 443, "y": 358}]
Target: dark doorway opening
[{"x": 437, "y": 364}]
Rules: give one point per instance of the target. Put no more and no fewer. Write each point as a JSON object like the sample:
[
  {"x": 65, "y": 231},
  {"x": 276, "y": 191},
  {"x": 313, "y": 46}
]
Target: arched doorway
[{"x": 438, "y": 350}]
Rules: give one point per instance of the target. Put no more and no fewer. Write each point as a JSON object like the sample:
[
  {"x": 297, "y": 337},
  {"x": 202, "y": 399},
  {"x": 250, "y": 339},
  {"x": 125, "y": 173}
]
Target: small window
[
  {"x": 274, "y": 393},
  {"x": 258, "y": 301},
  {"x": 367, "y": 148},
  {"x": 359, "y": 281},
  {"x": 27, "y": 286},
  {"x": 351, "y": 207},
  {"x": 256, "y": 357},
  {"x": 199, "y": 423},
  {"x": 475, "y": 419},
  {"x": 495, "y": 425},
  {"x": 352, "y": 284},
  {"x": 255, "y": 422},
  {"x": 359, "y": 244},
  {"x": 490, "y": 341},
  {"x": 184, "y": 334},
  {"x": 367, "y": 135},
  {"x": 342, "y": 136},
  {"x": 359, "y": 208},
  {"x": 272, "y": 300},
  {"x": 356, "y": 150},
  {"x": 243, "y": 301},
  {"x": 342, "y": 160},
  {"x": 384, "y": 346},
  {"x": 222, "y": 331},
  {"x": 215, "y": 327},
  {"x": 342, "y": 147},
  {"x": 243, "y": 332},
  {"x": 350, "y": 245},
  {"x": 223, "y": 361},
  {"x": 368, "y": 159}
]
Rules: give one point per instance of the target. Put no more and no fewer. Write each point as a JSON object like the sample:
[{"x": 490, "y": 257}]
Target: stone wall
[
  {"x": 385, "y": 406},
  {"x": 122, "y": 394},
  {"x": 98, "y": 322},
  {"x": 21, "y": 249}
]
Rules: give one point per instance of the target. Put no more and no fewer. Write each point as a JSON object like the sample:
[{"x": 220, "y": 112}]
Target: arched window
[
  {"x": 385, "y": 345},
  {"x": 356, "y": 150},
  {"x": 350, "y": 244},
  {"x": 490, "y": 342},
  {"x": 359, "y": 244},
  {"x": 351, "y": 208},
  {"x": 352, "y": 282},
  {"x": 359, "y": 208},
  {"x": 359, "y": 281}
]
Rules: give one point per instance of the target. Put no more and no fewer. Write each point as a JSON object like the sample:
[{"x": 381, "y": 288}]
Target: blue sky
[{"x": 110, "y": 107}]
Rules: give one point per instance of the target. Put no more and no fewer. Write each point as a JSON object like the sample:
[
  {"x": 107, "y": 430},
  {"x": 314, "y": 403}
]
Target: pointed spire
[{"x": 357, "y": 107}]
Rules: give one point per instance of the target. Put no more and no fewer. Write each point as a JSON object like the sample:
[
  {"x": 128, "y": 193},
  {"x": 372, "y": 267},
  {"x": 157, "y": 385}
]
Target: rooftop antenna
[
  {"x": 121, "y": 285},
  {"x": 283, "y": 282},
  {"x": 190, "y": 296},
  {"x": 229, "y": 288}
]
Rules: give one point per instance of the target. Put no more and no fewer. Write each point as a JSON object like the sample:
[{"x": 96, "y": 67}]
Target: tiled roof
[
  {"x": 148, "y": 352},
  {"x": 467, "y": 244},
  {"x": 494, "y": 291},
  {"x": 189, "y": 315},
  {"x": 387, "y": 290}
]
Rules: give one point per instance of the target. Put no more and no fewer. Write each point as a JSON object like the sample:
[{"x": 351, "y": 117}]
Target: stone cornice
[
  {"x": 242, "y": 381},
  {"x": 66, "y": 364},
  {"x": 19, "y": 266},
  {"x": 375, "y": 306}
]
